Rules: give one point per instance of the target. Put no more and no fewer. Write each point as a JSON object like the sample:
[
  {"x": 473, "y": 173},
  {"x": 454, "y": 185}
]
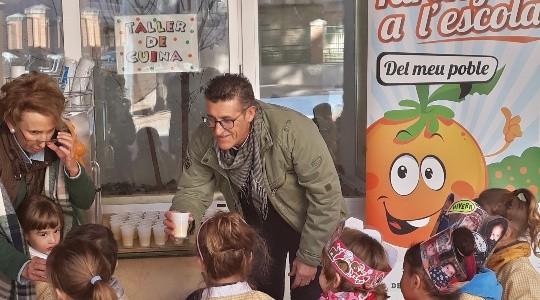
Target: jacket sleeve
[
  {"x": 81, "y": 190},
  {"x": 196, "y": 185},
  {"x": 316, "y": 172},
  {"x": 11, "y": 260}
]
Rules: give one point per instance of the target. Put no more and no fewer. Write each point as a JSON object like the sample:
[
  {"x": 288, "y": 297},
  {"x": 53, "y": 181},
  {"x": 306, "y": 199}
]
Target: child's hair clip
[{"x": 521, "y": 197}]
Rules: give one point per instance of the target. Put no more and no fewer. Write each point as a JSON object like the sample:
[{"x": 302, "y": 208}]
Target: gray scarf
[{"x": 245, "y": 168}]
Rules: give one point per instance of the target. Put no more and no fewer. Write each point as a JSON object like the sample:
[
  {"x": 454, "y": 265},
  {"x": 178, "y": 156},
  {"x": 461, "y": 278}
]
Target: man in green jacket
[{"x": 273, "y": 166}]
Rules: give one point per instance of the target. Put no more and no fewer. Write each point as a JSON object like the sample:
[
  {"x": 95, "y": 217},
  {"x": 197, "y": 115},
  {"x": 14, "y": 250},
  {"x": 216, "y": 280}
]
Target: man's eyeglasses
[{"x": 225, "y": 123}]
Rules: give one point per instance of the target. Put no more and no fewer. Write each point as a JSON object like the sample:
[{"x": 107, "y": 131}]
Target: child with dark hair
[
  {"x": 415, "y": 282},
  {"x": 354, "y": 263},
  {"x": 447, "y": 280},
  {"x": 102, "y": 238},
  {"x": 77, "y": 270},
  {"x": 510, "y": 259},
  {"x": 464, "y": 244},
  {"x": 42, "y": 222},
  {"x": 227, "y": 247}
]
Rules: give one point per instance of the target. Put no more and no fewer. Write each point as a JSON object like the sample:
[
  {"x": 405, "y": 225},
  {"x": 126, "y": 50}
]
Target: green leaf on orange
[
  {"x": 432, "y": 124},
  {"x": 400, "y": 115},
  {"x": 412, "y": 131},
  {"x": 422, "y": 90},
  {"x": 450, "y": 92},
  {"x": 486, "y": 87},
  {"x": 442, "y": 111},
  {"x": 409, "y": 103}
]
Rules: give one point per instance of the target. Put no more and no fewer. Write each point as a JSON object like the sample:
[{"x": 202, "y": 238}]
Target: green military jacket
[{"x": 301, "y": 181}]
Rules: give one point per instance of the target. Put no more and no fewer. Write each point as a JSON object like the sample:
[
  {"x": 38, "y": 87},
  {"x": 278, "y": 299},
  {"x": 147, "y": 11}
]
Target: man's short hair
[{"x": 228, "y": 86}]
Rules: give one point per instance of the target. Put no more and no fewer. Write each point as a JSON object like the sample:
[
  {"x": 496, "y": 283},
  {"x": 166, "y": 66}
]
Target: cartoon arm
[{"x": 511, "y": 130}]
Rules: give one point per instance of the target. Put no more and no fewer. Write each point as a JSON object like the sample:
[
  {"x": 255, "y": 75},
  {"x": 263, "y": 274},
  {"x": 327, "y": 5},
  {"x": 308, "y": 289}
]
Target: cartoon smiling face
[{"x": 407, "y": 182}]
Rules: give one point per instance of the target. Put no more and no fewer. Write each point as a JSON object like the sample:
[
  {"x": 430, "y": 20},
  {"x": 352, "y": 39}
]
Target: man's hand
[
  {"x": 303, "y": 274},
  {"x": 35, "y": 270},
  {"x": 169, "y": 224}
]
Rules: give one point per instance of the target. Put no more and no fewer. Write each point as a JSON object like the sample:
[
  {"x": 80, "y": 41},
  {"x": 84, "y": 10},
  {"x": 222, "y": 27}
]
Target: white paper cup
[
  {"x": 181, "y": 223},
  {"x": 145, "y": 234},
  {"x": 159, "y": 234},
  {"x": 128, "y": 234}
]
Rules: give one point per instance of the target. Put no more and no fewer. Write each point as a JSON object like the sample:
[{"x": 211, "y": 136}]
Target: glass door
[
  {"x": 144, "y": 120},
  {"x": 308, "y": 59}
]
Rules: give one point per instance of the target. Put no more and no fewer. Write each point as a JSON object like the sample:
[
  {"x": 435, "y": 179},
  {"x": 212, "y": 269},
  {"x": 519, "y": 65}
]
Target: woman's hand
[
  {"x": 65, "y": 152},
  {"x": 35, "y": 270}
]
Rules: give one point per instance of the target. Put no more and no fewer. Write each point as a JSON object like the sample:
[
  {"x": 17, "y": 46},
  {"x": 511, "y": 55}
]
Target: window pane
[
  {"x": 307, "y": 54},
  {"x": 31, "y": 37},
  {"x": 143, "y": 121}
]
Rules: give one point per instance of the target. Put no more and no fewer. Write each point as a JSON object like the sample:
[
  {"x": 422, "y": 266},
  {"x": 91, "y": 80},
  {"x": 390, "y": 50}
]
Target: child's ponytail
[
  {"x": 80, "y": 271},
  {"x": 103, "y": 291}
]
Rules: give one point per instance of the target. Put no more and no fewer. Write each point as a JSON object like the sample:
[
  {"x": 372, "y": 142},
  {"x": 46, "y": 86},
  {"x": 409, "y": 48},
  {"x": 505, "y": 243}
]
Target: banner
[
  {"x": 453, "y": 107},
  {"x": 156, "y": 43}
]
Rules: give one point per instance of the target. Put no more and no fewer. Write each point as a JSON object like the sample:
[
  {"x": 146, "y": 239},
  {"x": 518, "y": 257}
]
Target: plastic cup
[
  {"x": 17, "y": 71},
  {"x": 159, "y": 234},
  {"x": 145, "y": 233},
  {"x": 128, "y": 234},
  {"x": 145, "y": 222},
  {"x": 115, "y": 228},
  {"x": 181, "y": 223},
  {"x": 151, "y": 214},
  {"x": 117, "y": 217},
  {"x": 136, "y": 214},
  {"x": 134, "y": 217}
]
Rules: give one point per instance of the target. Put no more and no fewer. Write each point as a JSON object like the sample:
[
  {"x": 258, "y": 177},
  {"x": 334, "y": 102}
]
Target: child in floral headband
[{"x": 354, "y": 263}]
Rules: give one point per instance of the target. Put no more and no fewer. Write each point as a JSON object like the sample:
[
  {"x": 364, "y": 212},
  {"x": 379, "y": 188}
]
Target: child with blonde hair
[
  {"x": 354, "y": 263},
  {"x": 42, "y": 222},
  {"x": 510, "y": 259},
  {"x": 77, "y": 270},
  {"x": 227, "y": 247}
]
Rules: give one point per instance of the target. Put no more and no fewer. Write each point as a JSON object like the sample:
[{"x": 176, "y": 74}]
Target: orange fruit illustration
[
  {"x": 407, "y": 183},
  {"x": 416, "y": 157}
]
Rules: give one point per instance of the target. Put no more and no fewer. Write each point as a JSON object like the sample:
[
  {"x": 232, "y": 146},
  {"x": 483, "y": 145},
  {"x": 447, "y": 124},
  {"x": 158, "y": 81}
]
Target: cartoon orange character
[{"x": 415, "y": 158}]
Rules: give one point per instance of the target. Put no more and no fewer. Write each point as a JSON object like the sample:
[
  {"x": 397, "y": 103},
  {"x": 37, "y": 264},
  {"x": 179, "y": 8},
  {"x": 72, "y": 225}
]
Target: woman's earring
[{"x": 12, "y": 130}]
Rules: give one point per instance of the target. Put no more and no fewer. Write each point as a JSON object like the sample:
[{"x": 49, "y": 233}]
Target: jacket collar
[{"x": 265, "y": 139}]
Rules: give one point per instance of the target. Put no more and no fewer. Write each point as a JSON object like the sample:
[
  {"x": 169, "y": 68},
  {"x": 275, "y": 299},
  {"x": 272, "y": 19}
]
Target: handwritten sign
[{"x": 156, "y": 43}]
